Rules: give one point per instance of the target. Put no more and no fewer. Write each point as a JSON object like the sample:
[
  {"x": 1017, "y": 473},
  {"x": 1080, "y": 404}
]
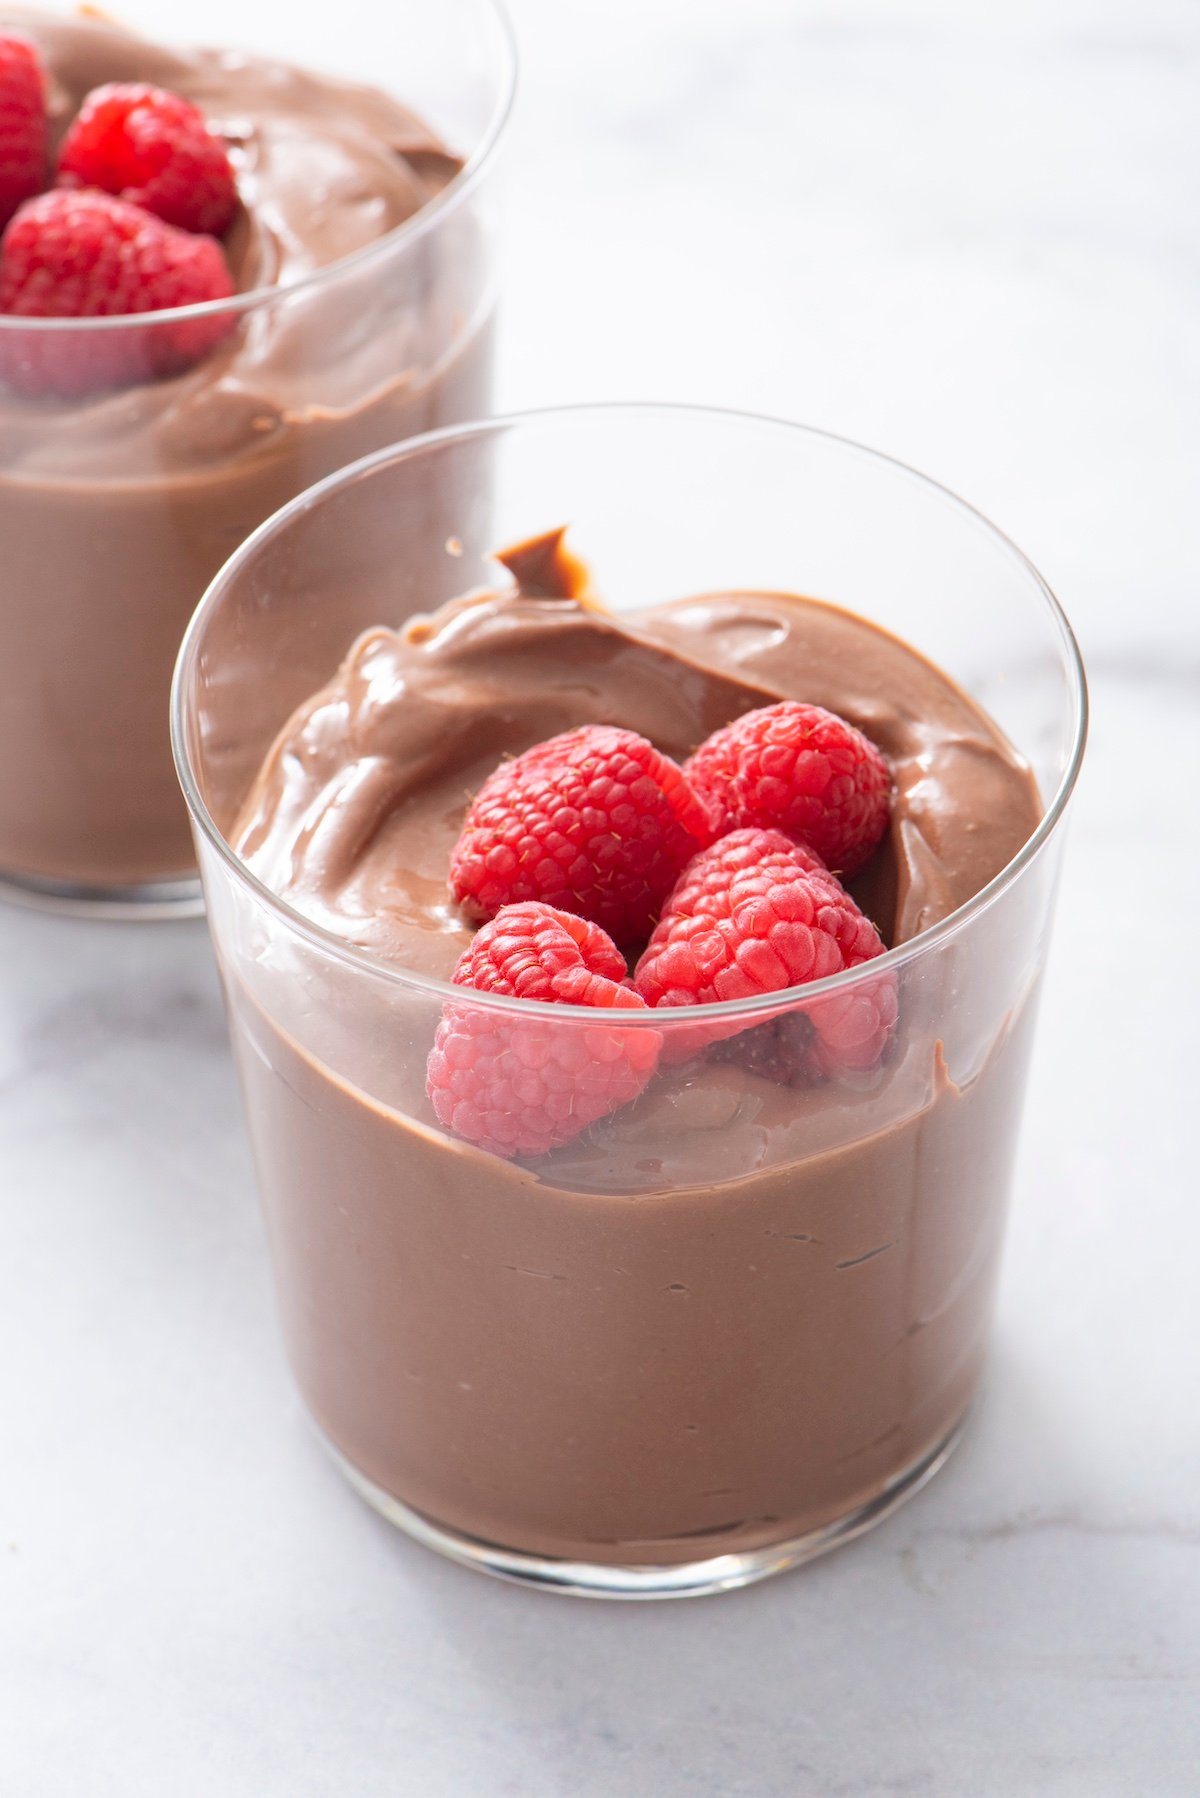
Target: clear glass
[
  {"x": 116, "y": 510},
  {"x": 731, "y": 1338}
]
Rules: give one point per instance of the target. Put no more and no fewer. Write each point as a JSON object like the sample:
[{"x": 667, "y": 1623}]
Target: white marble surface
[{"x": 966, "y": 233}]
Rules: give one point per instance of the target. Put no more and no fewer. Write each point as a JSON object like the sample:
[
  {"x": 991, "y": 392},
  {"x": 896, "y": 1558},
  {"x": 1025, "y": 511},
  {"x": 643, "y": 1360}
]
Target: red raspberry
[
  {"x": 756, "y": 914},
  {"x": 68, "y": 255},
  {"x": 801, "y": 769},
  {"x": 153, "y": 149},
  {"x": 524, "y": 1086},
  {"x": 22, "y": 124},
  {"x": 595, "y": 822}
]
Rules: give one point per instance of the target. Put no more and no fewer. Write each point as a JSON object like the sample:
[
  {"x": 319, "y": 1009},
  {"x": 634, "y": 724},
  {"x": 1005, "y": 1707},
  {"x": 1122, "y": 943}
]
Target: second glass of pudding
[
  {"x": 363, "y": 252},
  {"x": 740, "y": 1317}
]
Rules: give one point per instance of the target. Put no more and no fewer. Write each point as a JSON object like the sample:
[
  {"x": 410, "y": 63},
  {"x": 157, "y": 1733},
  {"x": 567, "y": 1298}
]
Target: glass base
[
  {"x": 690, "y": 1579},
  {"x": 179, "y": 897}
]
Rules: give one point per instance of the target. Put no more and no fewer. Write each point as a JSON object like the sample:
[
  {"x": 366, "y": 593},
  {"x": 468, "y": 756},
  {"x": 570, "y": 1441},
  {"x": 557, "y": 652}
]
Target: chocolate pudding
[
  {"x": 738, "y": 1309},
  {"x": 116, "y": 510}
]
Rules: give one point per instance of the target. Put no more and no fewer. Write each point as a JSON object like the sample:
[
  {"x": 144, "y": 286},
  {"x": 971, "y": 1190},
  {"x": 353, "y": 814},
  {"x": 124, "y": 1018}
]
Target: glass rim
[
  {"x": 422, "y": 221},
  {"x": 367, "y": 962}
]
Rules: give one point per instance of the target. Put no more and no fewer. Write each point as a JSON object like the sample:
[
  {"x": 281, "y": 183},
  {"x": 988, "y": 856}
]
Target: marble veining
[{"x": 965, "y": 233}]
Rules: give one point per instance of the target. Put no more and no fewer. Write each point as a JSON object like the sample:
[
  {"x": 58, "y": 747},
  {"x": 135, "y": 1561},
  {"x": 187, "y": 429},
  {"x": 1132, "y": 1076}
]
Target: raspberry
[
  {"x": 757, "y": 914},
  {"x": 86, "y": 255},
  {"x": 801, "y": 769},
  {"x": 155, "y": 150},
  {"x": 22, "y": 124},
  {"x": 524, "y": 1086},
  {"x": 595, "y": 822}
]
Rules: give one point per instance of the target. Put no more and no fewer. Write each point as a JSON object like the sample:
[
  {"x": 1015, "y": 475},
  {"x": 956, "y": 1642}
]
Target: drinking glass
[
  {"x": 727, "y": 1327},
  {"x": 117, "y": 508}
]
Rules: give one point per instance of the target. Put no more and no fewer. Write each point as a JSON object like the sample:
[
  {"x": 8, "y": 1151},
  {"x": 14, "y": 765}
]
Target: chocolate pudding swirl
[
  {"x": 733, "y": 1312},
  {"x": 118, "y": 508},
  {"x": 360, "y": 802}
]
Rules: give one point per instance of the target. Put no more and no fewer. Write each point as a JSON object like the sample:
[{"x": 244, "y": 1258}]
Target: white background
[{"x": 964, "y": 234}]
